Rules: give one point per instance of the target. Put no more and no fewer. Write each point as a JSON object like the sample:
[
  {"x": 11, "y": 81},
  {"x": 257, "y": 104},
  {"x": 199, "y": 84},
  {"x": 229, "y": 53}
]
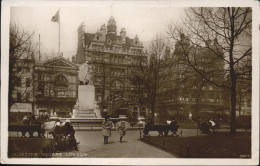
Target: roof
[{"x": 58, "y": 61}]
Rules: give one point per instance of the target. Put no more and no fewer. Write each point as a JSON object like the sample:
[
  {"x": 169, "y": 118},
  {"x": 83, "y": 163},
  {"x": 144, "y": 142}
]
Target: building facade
[
  {"x": 113, "y": 58},
  {"x": 56, "y": 86},
  {"x": 183, "y": 91},
  {"x": 21, "y": 82}
]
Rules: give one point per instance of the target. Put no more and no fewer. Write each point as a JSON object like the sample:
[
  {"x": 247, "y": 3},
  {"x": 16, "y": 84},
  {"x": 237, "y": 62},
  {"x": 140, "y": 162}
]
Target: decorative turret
[
  {"x": 103, "y": 31},
  {"x": 123, "y": 35},
  {"x": 111, "y": 26}
]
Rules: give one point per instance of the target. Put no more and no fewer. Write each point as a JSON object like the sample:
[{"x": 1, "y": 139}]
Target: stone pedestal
[
  {"x": 86, "y": 103},
  {"x": 86, "y": 97}
]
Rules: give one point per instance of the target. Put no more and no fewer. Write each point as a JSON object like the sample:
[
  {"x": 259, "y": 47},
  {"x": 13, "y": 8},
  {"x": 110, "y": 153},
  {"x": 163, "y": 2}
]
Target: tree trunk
[
  {"x": 154, "y": 96},
  {"x": 233, "y": 107},
  {"x": 232, "y": 76},
  {"x": 240, "y": 102}
]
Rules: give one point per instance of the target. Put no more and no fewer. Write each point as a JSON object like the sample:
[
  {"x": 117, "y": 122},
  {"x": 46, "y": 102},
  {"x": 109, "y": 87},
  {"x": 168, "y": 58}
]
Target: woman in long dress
[{"x": 106, "y": 128}]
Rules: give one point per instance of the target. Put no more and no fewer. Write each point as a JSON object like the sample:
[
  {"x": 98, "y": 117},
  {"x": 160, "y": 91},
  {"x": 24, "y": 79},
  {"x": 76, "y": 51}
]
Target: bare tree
[
  {"x": 146, "y": 78},
  {"x": 21, "y": 54},
  {"x": 139, "y": 80},
  {"x": 230, "y": 29}
]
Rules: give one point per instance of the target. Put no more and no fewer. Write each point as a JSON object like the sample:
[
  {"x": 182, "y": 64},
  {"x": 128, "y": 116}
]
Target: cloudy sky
[{"x": 145, "y": 21}]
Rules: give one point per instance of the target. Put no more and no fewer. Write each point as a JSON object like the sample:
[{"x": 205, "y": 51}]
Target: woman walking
[
  {"x": 122, "y": 129},
  {"x": 106, "y": 128}
]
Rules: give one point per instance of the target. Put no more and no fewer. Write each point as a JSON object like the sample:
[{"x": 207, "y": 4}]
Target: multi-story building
[
  {"x": 113, "y": 58},
  {"x": 21, "y": 85},
  {"x": 182, "y": 90},
  {"x": 55, "y": 85}
]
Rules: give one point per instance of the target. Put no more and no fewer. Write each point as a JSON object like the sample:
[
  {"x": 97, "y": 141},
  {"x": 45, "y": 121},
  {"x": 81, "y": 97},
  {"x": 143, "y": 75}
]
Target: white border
[{"x": 5, "y": 19}]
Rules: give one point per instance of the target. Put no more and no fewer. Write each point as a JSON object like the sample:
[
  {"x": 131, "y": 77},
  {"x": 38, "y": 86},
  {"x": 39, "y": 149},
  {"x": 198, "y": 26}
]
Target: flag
[{"x": 56, "y": 18}]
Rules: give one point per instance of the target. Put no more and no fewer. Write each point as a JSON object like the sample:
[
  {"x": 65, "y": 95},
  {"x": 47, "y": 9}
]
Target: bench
[
  {"x": 163, "y": 129},
  {"x": 23, "y": 128},
  {"x": 244, "y": 127}
]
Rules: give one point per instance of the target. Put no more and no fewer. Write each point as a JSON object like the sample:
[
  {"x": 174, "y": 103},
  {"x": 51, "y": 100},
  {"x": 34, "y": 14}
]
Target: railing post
[
  {"x": 163, "y": 142},
  {"x": 140, "y": 132},
  {"x": 181, "y": 150},
  {"x": 188, "y": 151},
  {"x": 199, "y": 151}
]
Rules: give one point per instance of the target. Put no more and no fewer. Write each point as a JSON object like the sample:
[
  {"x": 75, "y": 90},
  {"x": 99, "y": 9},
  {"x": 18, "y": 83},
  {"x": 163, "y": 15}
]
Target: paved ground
[{"x": 91, "y": 142}]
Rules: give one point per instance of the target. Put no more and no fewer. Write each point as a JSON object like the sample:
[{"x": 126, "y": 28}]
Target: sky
[{"x": 146, "y": 22}]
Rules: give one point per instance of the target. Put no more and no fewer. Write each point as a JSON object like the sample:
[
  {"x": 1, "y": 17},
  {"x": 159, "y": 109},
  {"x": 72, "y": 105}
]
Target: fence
[{"x": 194, "y": 144}]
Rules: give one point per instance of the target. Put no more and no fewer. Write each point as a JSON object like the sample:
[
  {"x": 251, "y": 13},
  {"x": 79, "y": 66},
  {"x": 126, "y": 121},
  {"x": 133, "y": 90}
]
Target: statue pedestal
[
  {"x": 86, "y": 103},
  {"x": 86, "y": 96}
]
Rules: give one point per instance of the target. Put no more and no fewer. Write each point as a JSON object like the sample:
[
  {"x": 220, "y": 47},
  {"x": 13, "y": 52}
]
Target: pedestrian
[
  {"x": 122, "y": 129},
  {"x": 70, "y": 132},
  {"x": 190, "y": 116},
  {"x": 106, "y": 128},
  {"x": 212, "y": 124},
  {"x": 174, "y": 126}
]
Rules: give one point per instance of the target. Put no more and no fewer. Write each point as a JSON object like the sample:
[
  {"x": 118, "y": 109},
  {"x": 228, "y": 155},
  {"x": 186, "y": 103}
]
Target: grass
[{"x": 219, "y": 145}]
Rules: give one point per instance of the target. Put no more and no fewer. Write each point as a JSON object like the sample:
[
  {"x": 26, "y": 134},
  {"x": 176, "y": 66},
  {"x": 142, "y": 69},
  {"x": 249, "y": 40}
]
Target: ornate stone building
[
  {"x": 55, "y": 85},
  {"x": 113, "y": 58},
  {"x": 22, "y": 86},
  {"x": 182, "y": 90}
]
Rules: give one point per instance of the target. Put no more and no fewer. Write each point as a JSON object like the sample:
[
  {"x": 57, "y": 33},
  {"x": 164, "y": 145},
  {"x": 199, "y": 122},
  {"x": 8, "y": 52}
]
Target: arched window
[
  {"x": 61, "y": 81},
  {"x": 61, "y": 86}
]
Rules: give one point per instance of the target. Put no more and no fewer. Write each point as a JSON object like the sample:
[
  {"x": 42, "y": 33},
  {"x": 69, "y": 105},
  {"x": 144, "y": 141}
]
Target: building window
[
  {"x": 19, "y": 96},
  {"x": 40, "y": 87},
  {"x": 28, "y": 82},
  {"x": 27, "y": 96},
  {"x": 18, "y": 82},
  {"x": 61, "y": 86},
  {"x": 61, "y": 81},
  {"x": 98, "y": 58},
  {"x": 40, "y": 76}
]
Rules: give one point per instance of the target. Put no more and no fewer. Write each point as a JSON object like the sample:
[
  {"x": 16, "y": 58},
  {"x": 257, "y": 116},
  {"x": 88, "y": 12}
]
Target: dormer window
[
  {"x": 97, "y": 38},
  {"x": 109, "y": 42}
]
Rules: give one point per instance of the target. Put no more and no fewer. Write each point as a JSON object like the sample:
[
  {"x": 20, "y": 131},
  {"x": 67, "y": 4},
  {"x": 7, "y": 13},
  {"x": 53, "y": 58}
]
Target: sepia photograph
[{"x": 130, "y": 82}]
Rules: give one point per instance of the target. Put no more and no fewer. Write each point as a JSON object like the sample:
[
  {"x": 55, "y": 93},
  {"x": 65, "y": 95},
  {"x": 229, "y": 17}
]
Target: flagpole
[{"x": 59, "y": 32}]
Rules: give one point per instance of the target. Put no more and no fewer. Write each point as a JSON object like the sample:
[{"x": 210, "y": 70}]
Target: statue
[
  {"x": 75, "y": 110},
  {"x": 85, "y": 74},
  {"x": 97, "y": 110}
]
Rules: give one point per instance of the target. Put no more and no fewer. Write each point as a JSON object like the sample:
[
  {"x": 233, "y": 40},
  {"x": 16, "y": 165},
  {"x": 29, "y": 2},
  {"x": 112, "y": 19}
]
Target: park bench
[
  {"x": 23, "y": 128},
  {"x": 244, "y": 127},
  {"x": 163, "y": 129}
]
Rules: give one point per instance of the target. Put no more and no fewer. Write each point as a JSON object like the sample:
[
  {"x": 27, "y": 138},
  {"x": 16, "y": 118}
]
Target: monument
[{"x": 86, "y": 106}]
